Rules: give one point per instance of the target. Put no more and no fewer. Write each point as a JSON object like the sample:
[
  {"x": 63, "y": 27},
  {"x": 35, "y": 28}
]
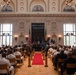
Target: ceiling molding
[{"x": 38, "y": 15}]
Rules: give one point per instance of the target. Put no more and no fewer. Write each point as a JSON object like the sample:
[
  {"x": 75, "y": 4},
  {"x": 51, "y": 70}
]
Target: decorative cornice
[{"x": 39, "y": 15}]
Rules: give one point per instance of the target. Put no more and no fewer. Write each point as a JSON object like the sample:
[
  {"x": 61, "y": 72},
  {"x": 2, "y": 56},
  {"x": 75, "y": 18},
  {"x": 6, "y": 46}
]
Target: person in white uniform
[
  {"x": 3, "y": 60},
  {"x": 18, "y": 53},
  {"x": 11, "y": 56}
]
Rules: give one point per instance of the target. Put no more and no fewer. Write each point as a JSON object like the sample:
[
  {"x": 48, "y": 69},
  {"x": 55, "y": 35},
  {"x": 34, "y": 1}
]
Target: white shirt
[
  {"x": 56, "y": 53},
  {"x": 11, "y": 56},
  {"x": 17, "y": 53},
  {"x": 66, "y": 52},
  {"x": 4, "y": 61},
  {"x": 50, "y": 49}
]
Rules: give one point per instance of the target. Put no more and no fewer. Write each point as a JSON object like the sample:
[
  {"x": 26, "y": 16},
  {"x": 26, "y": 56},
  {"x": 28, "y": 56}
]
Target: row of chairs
[
  {"x": 69, "y": 65},
  {"x": 5, "y": 66}
]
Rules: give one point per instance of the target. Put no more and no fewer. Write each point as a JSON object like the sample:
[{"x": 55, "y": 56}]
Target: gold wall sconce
[
  {"x": 59, "y": 37},
  {"x": 16, "y": 37}
]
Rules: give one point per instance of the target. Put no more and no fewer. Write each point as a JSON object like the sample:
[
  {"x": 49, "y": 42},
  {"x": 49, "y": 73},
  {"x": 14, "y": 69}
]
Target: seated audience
[
  {"x": 3, "y": 60},
  {"x": 16, "y": 53},
  {"x": 62, "y": 56},
  {"x": 11, "y": 56},
  {"x": 69, "y": 60},
  {"x": 0, "y": 54},
  {"x": 54, "y": 56},
  {"x": 74, "y": 51}
]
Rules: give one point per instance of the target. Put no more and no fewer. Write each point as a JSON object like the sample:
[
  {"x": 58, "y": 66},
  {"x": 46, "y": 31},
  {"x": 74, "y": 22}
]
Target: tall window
[
  {"x": 5, "y": 34},
  {"x": 69, "y": 34}
]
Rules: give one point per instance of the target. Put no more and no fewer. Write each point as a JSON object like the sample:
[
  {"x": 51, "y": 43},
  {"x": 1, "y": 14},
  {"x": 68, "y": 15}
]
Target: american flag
[{"x": 29, "y": 39}]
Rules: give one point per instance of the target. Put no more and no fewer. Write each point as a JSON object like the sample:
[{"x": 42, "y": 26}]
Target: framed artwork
[
  {"x": 21, "y": 26},
  {"x": 53, "y": 26},
  {"x": 7, "y": 8},
  {"x": 68, "y": 8},
  {"x": 38, "y": 8}
]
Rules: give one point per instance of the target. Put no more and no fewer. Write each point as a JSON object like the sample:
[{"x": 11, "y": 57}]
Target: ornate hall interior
[{"x": 37, "y": 21}]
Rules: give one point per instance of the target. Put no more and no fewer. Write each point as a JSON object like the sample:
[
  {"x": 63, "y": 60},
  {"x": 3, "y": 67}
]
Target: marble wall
[
  {"x": 24, "y": 6},
  {"x": 22, "y": 24},
  {"x": 22, "y": 16}
]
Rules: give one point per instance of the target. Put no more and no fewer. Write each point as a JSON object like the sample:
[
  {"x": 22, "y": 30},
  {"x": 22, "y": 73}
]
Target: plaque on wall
[
  {"x": 21, "y": 26},
  {"x": 54, "y": 26}
]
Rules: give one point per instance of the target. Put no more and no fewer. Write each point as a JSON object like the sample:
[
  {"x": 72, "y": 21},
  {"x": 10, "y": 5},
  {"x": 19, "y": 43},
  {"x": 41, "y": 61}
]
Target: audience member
[
  {"x": 62, "y": 56},
  {"x": 3, "y": 60},
  {"x": 11, "y": 56},
  {"x": 16, "y": 53},
  {"x": 69, "y": 60}
]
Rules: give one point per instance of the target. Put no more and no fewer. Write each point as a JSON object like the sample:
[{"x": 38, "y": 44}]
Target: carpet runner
[{"x": 37, "y": 59}]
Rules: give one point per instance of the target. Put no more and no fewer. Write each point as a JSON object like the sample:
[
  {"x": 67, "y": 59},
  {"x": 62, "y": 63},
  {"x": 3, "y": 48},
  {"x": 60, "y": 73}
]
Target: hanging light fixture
[
  {"x": 68, "y": 1},
  {"x": 7, "y": 1}
]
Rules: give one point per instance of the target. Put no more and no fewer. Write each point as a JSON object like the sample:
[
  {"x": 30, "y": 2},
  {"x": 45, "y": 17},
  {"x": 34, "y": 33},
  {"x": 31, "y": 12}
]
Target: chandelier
[
  {"x": 68, "y": 1},
  {"x": 7, "y": 1}
]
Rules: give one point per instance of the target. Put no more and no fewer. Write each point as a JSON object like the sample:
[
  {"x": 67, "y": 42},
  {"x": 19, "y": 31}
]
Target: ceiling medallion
[
  {"x": 22, "y": 3},
  {"x": 53, "y": 3},
  {"x": 53, "y": 8},
  {"x": 22, "y": 8}
]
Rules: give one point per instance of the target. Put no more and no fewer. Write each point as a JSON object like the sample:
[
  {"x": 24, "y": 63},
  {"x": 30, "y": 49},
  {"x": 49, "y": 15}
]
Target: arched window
[
  {"x": 38, "y": 8},
  {"x": 7, "y": 8},
  {"x": 69, "y": 8}
]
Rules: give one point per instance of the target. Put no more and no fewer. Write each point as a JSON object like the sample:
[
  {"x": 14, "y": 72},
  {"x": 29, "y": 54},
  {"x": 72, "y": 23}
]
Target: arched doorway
[{"x": 37, "y": 34}]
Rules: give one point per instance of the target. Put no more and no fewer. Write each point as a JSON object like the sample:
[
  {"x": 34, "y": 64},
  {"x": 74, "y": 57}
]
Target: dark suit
[
  {"x": 62, "y": 56},
  {"x": 74, "y": 52},
  {"x": 69, "y": 60}
]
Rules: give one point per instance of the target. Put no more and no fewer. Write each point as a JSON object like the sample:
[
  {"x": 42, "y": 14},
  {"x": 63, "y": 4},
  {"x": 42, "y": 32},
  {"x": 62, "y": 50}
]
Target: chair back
[
  {"x": 74, "y": 56},
  {"x": 18, "y": 57},
  {"x": 12, "y": 60},
  {"x": 60, "y": 60},
  {"x": 23, "y": 53},
  {"x": 71, "y": 65},
  {"x": 3, "y": 66}
]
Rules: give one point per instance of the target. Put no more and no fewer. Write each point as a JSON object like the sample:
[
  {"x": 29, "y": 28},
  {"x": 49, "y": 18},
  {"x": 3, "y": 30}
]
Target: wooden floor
[{"x": 36, "y": 69}]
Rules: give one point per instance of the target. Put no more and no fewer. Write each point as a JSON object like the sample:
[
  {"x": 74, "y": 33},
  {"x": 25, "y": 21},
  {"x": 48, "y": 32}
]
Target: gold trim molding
[{"x": 38, "y": 15}]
